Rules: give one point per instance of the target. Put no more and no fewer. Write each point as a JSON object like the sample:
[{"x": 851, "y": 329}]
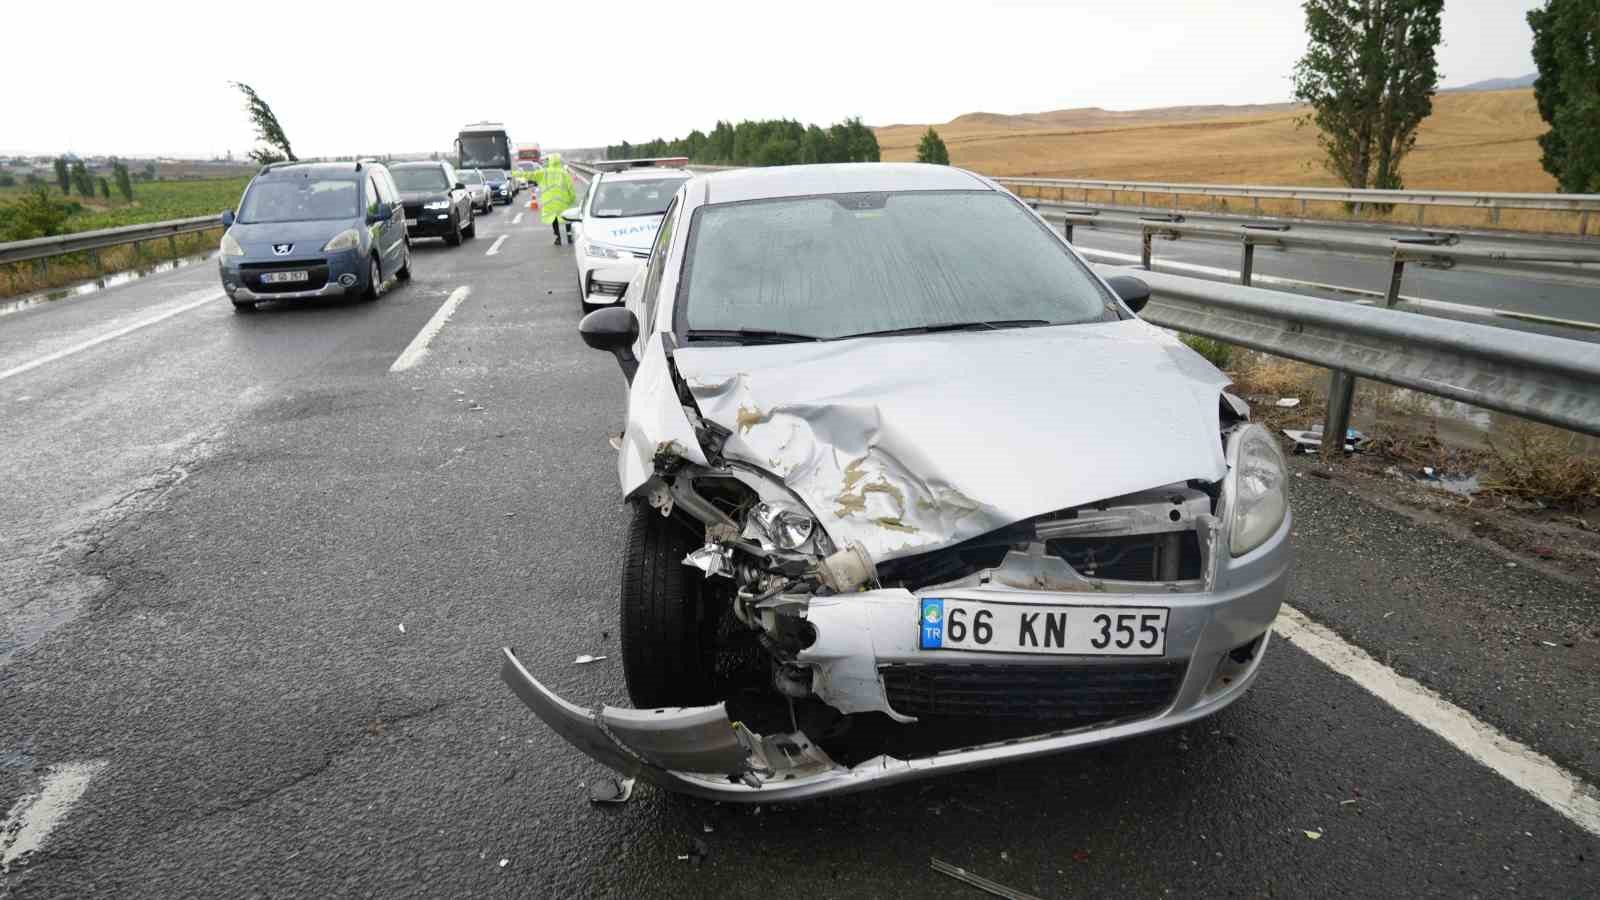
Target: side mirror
[
  {"x": 385, "y": 213},
  {"x": 1130, "y": 290},
  {"x": 572, "y": 214},
  {"x": 227, "y": 218},
  {"x": 613, "y": 329},
  {"x": 460, "y": 186}
]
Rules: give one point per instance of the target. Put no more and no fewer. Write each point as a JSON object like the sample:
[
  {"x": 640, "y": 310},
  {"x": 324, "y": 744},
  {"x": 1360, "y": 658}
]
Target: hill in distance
[{"x": 1497, "y": 84}]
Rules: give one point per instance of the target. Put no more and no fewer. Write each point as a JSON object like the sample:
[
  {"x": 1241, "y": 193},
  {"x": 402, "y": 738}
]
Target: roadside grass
[
  {"x": 1543, "y": 464},
  {"x": 1216, "y": 352},
  {"x": 74, "y": 268},
  {"x": 153, "y": 201}
]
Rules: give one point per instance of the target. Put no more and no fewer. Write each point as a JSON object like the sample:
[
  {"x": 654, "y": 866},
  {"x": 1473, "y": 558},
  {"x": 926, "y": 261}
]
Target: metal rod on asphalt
[{"x": 1341, "y": 390}]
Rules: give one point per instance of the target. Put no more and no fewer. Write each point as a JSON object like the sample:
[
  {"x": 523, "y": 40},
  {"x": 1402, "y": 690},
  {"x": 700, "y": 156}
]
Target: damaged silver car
[{"x": 893, "y": 446}]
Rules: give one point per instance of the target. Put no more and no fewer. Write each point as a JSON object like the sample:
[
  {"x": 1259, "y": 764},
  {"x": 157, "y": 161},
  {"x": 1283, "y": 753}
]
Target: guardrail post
[
  {"x": 1396, "y": 272},
  {"x": 1247, "y": 263},
  {"x": 1583, "y": 223},
  {"x": 1494, "y": 215},
  {"x": 94, "y": 260},
  {"x": 1422, "y": 212},
  {"x": 1255, "y": 205},
  {"x": 1144, "y": 250},
  {"x": 172, "y": 245},
  {"x": 1303, "y": 204},
  {"x": 1341, "y": 390},
  {"x": 1066, "y": 230}
]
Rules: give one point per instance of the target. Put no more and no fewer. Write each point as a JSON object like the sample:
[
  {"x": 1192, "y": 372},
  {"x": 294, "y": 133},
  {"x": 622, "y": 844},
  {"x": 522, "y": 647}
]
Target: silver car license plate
[
  {"x": 959, "y": 624},
  {"x": 411, "y": 222},
  {"x": 281, "y": 277}
]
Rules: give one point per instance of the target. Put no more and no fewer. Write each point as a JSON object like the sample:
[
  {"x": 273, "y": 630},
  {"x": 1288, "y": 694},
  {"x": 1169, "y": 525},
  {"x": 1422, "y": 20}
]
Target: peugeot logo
[{"x": 281, "y": 249}]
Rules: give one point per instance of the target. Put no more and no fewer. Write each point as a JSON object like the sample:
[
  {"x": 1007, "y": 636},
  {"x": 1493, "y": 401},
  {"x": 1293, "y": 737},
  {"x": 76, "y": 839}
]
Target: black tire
[
  {"x": 669, "y": 616},
  {"x": 454, "y": 237},
  {"x": 404, "y": 274},
  {"x": 374, "y": 279},
  {"x": 471, "y": 230},
  {"x": 244, "y": 306}
]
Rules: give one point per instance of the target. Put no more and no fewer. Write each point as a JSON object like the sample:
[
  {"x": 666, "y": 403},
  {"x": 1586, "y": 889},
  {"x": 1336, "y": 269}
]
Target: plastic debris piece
[
  {"x": 475, "y": 408},
  {"x": 1288, "y": 402},
  {"x": 504, "y": 862},
  {"x": 1080, "y": 856},
  {"x": 615, "y": 441},
  {"x": 978, "y": 881},
  {"x": 712, "y": 559},
  {"x": 584, "y": 659},
  {"x": 610, "y": 789},
  {"x": 1314, "y": 835},
  {"x": 402, "y": 628}
]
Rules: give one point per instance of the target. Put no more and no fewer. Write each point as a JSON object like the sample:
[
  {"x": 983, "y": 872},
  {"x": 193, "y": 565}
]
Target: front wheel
[
  {"x": 471, "y": 230},
  {"x": 374, "y": 280},
  {"x": 669, "y": 616},
  {"x": 454, "y": 237},
  {"x": 404, "y": 273}
]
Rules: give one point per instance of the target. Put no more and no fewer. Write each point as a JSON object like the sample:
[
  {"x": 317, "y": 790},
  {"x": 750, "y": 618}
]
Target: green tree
[
  {"x": 124, "y": 183},
  {"x": 81, "y": 180},
  {"x": 149, "y": 172},
  {"x": 1566, "y": 48},
  {"x": 63, "y": 176},
  {"x": 36, "y": 215},
  {"x": 931, "y": 149},
  {"x": 105, "y": 189},
  {"x": 1369, "y": 73},
  {"x": 268, "y": 130},
  {"x": 7, "y": 179}
]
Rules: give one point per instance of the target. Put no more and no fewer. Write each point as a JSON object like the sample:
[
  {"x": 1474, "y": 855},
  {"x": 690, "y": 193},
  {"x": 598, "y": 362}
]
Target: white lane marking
[
  {"x": 1517, "y": 763},
  {"x": 34, "y": 816},
  {"x": 418, "y": 348},
  {"x": 65, "y": 352},
  {"x": 516, "y": 219},
  {"x": 494, "y": 249}
]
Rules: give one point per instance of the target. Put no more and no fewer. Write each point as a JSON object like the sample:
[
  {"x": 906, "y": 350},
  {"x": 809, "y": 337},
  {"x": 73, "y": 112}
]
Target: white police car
[{"x": 619, "y": 218}]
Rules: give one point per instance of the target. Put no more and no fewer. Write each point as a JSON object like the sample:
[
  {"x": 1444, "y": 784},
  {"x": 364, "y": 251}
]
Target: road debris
[
  {"x": 402, "y": 628},
  {"x": 1311, "y": 441},
  {"x": 610, "y": 789},
  {"x": 584, "y": 659},
  {"x": 1313, "y": 835},
  {"x": 1288, "y": 402},
  {"x": 978, "y": 881},
  {"x": 504, "y": 862}
]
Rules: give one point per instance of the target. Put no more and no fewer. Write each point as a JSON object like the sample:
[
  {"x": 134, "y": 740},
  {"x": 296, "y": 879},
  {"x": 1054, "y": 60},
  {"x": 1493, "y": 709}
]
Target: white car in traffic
[{"x": 617, "y": 224}]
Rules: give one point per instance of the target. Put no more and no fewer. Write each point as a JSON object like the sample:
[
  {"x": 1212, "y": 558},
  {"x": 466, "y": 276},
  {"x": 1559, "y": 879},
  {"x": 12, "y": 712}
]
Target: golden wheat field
[{"x": 1474, "y": 141}]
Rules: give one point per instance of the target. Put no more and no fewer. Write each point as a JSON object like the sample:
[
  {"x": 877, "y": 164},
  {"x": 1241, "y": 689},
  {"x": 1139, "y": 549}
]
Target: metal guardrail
[
  {"x": 1438, "y": 250},
  {"x": 1547, "y": 379},
  {"x": 1582, "y": 205},
  {"x": 41, "y": 249}
]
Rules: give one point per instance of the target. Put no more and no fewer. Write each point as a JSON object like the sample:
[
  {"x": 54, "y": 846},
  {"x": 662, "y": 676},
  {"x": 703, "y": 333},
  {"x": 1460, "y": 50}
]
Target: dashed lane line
[
  {"x": 35, "y": 815},
  {"x": 418, "y": 348},
  {"x": 1517, "y": 763},
  {"x": 494, "y": 249},
  {"x": 516, "y": 219},
  {"x": 210, "y": 297}
]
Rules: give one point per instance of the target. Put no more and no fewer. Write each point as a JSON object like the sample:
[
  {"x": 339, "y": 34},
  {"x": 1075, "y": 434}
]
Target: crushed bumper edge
[{"x": 732, "y": 765}]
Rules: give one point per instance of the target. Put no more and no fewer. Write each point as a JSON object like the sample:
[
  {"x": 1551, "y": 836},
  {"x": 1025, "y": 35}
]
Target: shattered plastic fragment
[
  {"x": 712, "y": 559},
  {"x": 610, "y": 789},
  {"x": 402, "y": 628},
  {"x": 1288, "y": 402},
  {"x": 1314, "y": 835},
  {"x": 584, "y": 659},
  {"x": 978, "y": 881}
]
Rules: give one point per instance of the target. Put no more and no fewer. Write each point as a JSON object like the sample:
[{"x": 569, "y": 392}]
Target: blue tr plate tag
[{"x": 931, "y": 624}]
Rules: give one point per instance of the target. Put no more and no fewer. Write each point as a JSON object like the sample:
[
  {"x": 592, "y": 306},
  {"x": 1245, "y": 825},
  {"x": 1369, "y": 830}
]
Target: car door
[
  {"x": 393, "y": 229},
  {"x": 644, "y": 306},
  {"x": 460, "y": 204}
]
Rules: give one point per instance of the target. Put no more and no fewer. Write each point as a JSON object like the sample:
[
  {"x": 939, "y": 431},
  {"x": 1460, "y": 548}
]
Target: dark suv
[
  {"x": 314, "y": 230},
  {"x": 502, "y": 187},
  {"x": 436, "y": 203}
]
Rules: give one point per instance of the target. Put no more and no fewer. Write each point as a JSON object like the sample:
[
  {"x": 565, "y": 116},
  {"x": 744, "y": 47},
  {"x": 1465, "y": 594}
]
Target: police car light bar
[{"x": 620, "y": 165}]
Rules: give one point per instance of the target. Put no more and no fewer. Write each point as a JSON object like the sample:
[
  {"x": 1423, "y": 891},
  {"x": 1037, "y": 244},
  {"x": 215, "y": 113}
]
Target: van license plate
[
  {"x": 955, "y": 624},
  {"x": 411, "y": 223},
  {"x": 281, "y": 277}
]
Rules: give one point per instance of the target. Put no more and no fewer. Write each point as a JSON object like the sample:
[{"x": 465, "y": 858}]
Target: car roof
[
  {"x": 768, "y": 182},
  {"x": 310, "y": 169},
  {"x": 417, "y": 164},
  {"x": 646, "y": 174}
]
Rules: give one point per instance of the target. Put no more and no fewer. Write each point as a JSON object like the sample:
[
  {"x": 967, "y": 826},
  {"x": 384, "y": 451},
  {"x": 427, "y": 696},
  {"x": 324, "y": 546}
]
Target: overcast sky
[{"x": 137, "y": 79}]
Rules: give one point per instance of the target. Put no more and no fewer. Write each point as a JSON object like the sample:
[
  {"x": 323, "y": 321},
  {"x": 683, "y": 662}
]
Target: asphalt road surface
[{"x": 253, "y": 585}]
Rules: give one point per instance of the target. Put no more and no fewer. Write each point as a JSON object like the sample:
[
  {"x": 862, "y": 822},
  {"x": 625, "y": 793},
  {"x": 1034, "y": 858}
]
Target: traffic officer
[{"x": 556, "y": 193}]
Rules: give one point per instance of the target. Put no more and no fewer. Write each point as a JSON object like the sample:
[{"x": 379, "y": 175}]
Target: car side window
[
  {"x": 372, "y": 196},
  {"x": 387, "y": 188},
  {"x": 450, "y": 175},
  {"x": 658, "y": 262}
]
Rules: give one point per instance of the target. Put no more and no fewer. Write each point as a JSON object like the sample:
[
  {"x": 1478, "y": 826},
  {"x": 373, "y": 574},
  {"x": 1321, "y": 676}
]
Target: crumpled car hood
[{"x": 914, "y": 442}]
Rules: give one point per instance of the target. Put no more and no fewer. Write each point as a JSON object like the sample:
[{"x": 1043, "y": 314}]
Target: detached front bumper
[{"x": 1217, "y": 638}]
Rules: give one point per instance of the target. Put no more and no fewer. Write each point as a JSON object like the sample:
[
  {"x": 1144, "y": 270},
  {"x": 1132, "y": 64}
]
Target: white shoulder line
[
  {"x": 210, "y": 296},
  {"x": 1521, "y": 765},
  {"x": 34, "y": 816},
  {"x": 418, "y": 348}
]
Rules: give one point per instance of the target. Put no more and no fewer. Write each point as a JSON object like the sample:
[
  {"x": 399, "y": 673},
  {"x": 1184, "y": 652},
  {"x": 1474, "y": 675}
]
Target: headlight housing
[
  {"x": 1257, "y": 489},
  {"x": 437, "y": 204},
  {"x": 230, "y": 245},
  {"x": 604, "y": 252},
  {"x": 787, "y": 529},
  {"x": 349, "y": 239}
]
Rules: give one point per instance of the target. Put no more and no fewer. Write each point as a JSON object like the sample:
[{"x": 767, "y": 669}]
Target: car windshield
[
  {"x": 421, "y": 178},
  {"x": 617, "y": 199},
  {"x": 851, "y": 264},
  {"x": 495, "y": 174},
  {"x": 470, "y": 177},
  {"x": 484, "y": 149},
  {"x": 300, "y": 199}
]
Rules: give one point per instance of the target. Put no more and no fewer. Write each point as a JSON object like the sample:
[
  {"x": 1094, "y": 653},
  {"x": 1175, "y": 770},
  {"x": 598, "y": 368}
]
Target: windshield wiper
[
  {"x": 749, "y": 336},
  {"x": 992, "y": 325}
]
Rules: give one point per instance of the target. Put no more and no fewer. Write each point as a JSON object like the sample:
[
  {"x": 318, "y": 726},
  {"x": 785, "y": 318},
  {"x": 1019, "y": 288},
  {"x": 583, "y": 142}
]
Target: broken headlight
[
  {"x": 786, "y": 528},
  {"x": 1257, "y": 489}
]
